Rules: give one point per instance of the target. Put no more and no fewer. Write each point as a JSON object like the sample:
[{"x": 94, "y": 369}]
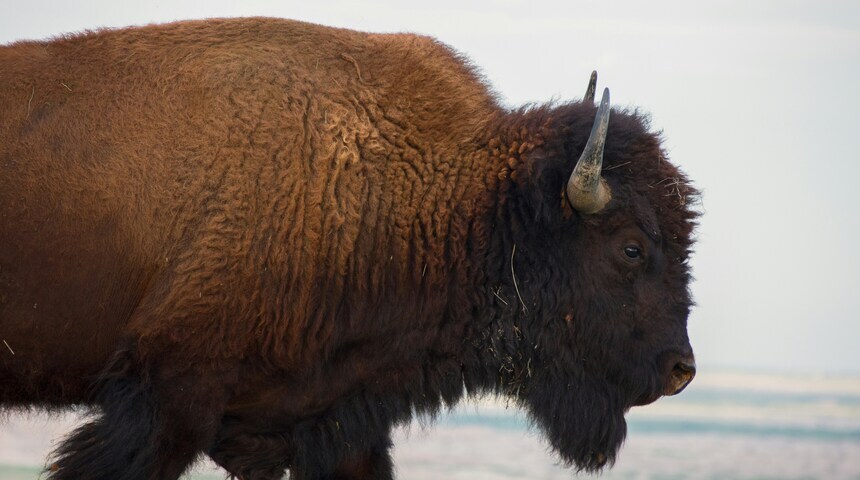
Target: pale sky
[{"x": 759, "y": 103}]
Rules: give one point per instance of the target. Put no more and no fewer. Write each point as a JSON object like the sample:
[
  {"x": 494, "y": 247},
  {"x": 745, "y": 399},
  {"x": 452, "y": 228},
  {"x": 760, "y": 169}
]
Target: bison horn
[
  {"x": 592, "y": 86},
  {"x": 586, "y": 190}
]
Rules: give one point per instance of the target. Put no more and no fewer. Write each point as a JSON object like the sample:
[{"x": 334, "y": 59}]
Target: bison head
[{"x": 595, "y": 302}]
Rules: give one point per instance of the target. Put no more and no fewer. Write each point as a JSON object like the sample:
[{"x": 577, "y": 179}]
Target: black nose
[{"x": 681, "y": 376}]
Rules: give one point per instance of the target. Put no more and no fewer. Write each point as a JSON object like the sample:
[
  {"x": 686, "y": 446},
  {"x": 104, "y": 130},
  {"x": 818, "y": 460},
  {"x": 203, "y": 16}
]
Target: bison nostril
[
  {"x": 687, "y": 366},
  {"x": 681, "y": 376}
]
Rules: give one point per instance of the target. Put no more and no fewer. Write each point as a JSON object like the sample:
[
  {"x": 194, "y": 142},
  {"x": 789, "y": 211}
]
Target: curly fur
[{"x": 272, "y": 241}]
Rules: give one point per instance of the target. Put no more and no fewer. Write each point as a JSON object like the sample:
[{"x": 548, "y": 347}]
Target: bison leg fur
[
  {"x": 150, "y": 427},
  {"x": 251, "y": 456},
  {"x": 266, "y": 457},
  {"x": 374, "y": 464}
]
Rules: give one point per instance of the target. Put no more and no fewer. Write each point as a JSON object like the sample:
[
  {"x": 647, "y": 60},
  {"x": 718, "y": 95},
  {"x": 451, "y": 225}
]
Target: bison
[{"x": 271, "y": 242}]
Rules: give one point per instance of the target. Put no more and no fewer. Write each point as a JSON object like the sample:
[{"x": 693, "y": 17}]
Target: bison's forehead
[
  {"x": 655, "y": 190},
  {"x": 674, "y": 201}
]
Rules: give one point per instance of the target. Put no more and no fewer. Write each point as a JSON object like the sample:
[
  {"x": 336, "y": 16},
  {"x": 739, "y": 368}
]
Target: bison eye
[{"x": 633, "y": 252}]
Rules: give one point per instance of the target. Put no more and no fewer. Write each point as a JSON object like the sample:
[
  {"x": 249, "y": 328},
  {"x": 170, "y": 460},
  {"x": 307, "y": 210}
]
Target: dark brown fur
[{"x": 272, "y": 241}]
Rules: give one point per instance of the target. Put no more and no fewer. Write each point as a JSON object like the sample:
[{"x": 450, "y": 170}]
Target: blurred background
[{"x": 759, "y": 103}]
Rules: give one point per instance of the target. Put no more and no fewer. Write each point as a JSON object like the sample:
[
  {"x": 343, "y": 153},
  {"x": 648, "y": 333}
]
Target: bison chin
[{"x": 584, "y": 422}]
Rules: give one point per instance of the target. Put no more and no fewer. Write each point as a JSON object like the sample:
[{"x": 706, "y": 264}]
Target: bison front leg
[
  {"x": 251, "y": 455},
  {"x": 370, "y": 463},
  {"x": 373, "y": 464},
  {"x": 152, "y": 424}
]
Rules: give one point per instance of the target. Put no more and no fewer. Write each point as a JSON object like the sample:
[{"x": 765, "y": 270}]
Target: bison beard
[
  {"x": 585, "y": 425},
  {"x": 272, "y": 242}
]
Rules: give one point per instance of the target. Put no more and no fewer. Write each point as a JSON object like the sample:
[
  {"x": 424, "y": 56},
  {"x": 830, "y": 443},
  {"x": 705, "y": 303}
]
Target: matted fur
[{"x": 273, "y": 241}]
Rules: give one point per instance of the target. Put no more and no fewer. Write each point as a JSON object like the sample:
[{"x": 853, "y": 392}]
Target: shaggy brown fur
[{"x": 273, "y": 241}]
